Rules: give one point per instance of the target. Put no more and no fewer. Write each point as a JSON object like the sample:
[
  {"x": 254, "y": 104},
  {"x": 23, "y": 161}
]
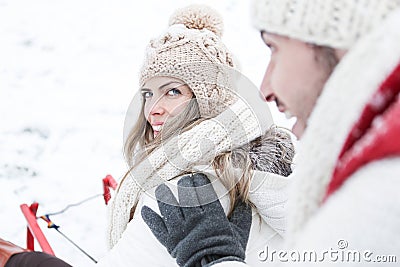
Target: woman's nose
[{"x": 158, "y": 107}]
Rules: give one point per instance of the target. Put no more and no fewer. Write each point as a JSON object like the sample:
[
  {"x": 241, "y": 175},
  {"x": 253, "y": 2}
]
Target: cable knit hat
[
  {"x": 334, "y": 23},
  {"x": 191, "y": 50}
]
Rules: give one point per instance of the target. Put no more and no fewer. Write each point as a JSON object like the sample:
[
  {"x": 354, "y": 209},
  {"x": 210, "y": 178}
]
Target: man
[{"x": 335, "y": 66}]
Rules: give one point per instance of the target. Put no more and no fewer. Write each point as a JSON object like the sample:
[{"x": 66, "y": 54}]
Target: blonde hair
[
  {"x": 140, "y": 143},
  {"x": 226, "y": 166}
]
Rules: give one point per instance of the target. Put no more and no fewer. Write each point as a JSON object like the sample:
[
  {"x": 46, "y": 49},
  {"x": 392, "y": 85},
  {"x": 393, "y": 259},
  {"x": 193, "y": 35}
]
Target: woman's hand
[{"x": 196, "y": 230}]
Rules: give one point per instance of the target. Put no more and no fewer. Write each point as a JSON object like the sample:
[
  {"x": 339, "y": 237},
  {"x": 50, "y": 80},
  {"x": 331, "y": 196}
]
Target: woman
[{"x": 191, "y": 119}]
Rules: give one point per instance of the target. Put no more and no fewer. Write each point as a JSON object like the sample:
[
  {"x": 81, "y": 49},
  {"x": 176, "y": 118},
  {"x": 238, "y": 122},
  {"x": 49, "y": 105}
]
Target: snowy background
[{"x": 68, "y": 71}]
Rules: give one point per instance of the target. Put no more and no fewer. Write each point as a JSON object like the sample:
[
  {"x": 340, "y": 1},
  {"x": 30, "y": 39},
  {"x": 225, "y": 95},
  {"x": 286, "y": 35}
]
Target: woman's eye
[
  {"x": 173, "y": 92},
  {"x": 147, "y": 94}
]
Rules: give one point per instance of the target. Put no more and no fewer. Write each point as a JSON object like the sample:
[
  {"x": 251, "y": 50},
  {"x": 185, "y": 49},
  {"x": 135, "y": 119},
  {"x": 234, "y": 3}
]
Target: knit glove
[{"x": 196, "y": 231}]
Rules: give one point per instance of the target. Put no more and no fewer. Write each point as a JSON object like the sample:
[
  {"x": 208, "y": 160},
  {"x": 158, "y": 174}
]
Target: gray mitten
[{"x": 196, "y": 231}]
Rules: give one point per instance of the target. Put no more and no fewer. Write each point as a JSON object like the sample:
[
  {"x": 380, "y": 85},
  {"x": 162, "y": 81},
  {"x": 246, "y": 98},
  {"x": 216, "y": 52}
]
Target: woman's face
[{"x": 164, "y": 97}]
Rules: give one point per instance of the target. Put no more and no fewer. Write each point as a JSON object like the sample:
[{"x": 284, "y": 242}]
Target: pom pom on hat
[{"x": 199, "y": 17}]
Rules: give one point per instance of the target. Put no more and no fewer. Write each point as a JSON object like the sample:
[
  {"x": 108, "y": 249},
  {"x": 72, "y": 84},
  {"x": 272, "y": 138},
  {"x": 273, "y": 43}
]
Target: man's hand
[{"x": 196, "y": 230}]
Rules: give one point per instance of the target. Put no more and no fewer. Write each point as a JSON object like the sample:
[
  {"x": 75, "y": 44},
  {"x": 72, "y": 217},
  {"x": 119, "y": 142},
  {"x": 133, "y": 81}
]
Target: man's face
[{"x": 294, "y": 78}]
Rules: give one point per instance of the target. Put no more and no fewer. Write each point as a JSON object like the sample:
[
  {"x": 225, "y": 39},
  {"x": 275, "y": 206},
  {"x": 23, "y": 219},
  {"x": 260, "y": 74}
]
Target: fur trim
[{"x": 273, "y": 152}]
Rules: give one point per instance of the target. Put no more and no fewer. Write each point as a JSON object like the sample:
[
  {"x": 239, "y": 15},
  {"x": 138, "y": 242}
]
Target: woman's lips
[{"x": 157, "y": 126}]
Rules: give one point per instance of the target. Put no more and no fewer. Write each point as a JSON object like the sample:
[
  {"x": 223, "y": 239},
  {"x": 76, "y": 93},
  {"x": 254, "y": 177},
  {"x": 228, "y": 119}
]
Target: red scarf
[{"x": 376, "y": 135}]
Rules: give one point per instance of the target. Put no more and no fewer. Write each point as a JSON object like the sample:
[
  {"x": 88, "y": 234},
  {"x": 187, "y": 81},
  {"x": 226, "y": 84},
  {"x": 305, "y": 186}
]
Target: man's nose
[{"x": 266, "y": 92}]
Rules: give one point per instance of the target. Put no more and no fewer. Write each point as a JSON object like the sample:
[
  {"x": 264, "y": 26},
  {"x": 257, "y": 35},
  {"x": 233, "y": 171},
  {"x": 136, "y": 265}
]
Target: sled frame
[{"x": 33, "y": 229}]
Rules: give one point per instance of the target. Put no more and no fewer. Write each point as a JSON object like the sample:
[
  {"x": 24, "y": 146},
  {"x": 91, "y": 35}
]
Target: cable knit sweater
[{"x": 358, "y": 211}]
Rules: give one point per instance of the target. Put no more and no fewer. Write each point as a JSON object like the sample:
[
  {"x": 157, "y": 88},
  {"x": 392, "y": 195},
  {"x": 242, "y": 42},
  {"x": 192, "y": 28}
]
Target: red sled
[
  {"x": 33, "y": 229},
  {"x": 35, "y": 232}
]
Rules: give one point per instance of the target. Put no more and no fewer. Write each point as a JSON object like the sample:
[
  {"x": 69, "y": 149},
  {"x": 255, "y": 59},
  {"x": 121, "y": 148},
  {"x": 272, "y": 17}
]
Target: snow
[{"x": 68, "y": 70}]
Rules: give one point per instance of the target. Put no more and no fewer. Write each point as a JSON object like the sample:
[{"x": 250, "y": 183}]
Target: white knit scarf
[{"x": 232, "y": 128}]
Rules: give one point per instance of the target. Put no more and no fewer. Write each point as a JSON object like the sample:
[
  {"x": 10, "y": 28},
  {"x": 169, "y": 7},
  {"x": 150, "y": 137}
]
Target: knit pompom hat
[
  {"x": 191, "y": 50},
  {"x": 334, "y": 23}
]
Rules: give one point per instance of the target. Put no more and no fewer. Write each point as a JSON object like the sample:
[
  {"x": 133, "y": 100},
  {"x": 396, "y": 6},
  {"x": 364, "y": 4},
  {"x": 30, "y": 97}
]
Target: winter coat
[
  {"x": 272, "y": 152},
  {"x": 345, "y": 191},
  {"x": 233, "y": 128}
]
